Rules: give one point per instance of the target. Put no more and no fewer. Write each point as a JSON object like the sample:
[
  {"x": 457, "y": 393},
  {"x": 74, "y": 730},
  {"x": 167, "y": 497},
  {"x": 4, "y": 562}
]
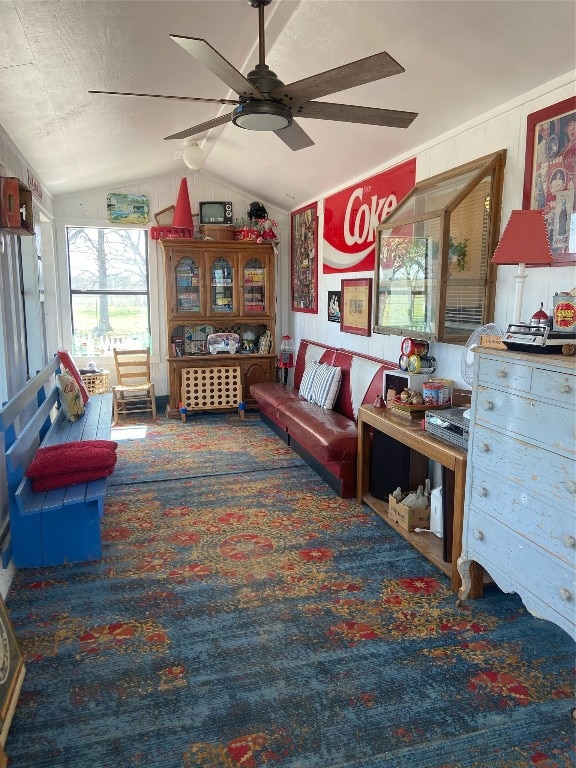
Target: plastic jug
[{"x": 436, "y": 522}]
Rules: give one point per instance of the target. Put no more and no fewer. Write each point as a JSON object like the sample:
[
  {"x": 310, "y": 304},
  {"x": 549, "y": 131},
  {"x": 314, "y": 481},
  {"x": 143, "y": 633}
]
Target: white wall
[{"x": 503, "y": 128}]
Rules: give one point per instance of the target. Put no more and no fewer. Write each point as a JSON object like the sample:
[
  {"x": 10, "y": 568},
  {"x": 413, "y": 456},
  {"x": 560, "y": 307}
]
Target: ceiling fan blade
[
  {"x": 347, "y": 113},
  {"x": 162, "y": 96},
  {"x": 203, "y": 52},
  {"x": 200, "y": 128},
  {"x": 294, "y": 137},
  {"x": 359, "y": 72}
]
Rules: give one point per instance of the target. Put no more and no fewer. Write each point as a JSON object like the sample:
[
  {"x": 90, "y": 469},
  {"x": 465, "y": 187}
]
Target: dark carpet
[{"x": 243, "y": 615}]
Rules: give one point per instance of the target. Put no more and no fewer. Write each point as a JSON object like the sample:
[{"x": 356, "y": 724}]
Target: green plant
[{"x": 458, "y": 251}]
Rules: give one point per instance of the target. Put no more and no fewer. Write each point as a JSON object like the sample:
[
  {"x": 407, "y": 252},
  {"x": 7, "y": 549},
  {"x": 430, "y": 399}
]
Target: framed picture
[
  {"x": 334, "y": 306},
  {"x": 12, "y": 671},
  {"x": 550, "y": 175},
  {"x": 127, "y": 209},
  {"x": 356, "y": 306},
  {"x": 305, "y": 259}
]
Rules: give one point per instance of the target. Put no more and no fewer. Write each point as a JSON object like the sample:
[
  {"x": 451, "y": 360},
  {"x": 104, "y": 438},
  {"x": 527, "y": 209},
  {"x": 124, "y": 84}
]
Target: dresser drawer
[
  {"x": 546, "y": 585},
  {"x": 555, "y": 385},
  {"x": 504, "y": 374},
  {"x": 548, "y": 424},
  {"x": 546, "y": 475},
  {"x": 551, "y": 528}
]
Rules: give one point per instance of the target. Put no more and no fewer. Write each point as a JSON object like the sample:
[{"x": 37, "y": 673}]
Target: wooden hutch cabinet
[{"x": 219, "y": 287}]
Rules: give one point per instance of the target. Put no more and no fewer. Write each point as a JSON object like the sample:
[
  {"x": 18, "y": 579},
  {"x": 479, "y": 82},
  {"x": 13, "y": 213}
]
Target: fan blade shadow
[
  {"x": 347, "y": 113},
  {"x": 203, "y": 52},
  {"x": 359, "y": 72}
]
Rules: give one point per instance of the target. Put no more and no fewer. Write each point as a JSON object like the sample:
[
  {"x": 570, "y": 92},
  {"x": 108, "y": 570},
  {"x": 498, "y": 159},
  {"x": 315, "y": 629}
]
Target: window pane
[
  {"x": 407, "y": 279},
  {"x": 107, "y": 259},
  {"x": 102, "y": 322}
]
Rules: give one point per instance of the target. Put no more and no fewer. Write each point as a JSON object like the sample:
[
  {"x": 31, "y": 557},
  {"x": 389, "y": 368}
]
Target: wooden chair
[{"x": 134, "y": 391}]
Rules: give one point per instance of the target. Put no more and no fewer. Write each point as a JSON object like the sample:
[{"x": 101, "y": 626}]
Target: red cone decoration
[
  {"x": 182, "y": 225},
  {"x": 183, "y": 212}
]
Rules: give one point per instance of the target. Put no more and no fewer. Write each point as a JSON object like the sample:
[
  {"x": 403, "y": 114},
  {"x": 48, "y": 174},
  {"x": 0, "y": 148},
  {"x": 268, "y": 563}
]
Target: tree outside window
[{"x": 108, "y": 289}]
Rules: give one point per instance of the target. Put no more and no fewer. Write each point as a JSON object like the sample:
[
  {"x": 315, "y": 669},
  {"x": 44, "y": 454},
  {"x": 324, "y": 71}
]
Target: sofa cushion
[
  {"x": 326, "y": 434},
  {"x": 270, "y": 393},
  {"x": 307, "y": 383},
  {"x": 326, "y": 386},
  {"x": 308, "y": 351}
]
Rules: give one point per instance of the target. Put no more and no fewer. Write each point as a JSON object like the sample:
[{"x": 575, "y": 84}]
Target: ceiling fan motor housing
[{"x": 262, "y": 114}]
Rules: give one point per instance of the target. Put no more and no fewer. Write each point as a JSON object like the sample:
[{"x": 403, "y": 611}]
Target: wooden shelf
[
  {"x": 426, "y": 543},
  {"x": 423, "y": 446}
]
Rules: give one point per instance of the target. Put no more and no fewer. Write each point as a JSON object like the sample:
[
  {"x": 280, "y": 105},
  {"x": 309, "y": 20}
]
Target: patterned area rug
[
  {"x": 253, "y": 618},
  {"x": 207, "y": 444}
]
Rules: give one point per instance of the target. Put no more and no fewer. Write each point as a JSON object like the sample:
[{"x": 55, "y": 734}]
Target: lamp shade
[
  {"x": 193, "y": 156},
  {"x": 524, "y": 240}
]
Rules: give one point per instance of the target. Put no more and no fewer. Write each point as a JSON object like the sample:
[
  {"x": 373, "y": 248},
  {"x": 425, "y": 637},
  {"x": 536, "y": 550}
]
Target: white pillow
[
  {"x": 326, "y": 385},
  {"x": 307, "y": 383}
]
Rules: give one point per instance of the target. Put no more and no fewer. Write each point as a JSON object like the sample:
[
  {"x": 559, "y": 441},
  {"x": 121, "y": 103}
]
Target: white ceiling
[{"x": 462, "y": 58}]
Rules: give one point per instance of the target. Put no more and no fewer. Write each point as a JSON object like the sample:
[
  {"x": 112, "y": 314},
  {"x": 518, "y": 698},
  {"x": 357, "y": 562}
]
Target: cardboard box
[{"x": 408, "y": 518}]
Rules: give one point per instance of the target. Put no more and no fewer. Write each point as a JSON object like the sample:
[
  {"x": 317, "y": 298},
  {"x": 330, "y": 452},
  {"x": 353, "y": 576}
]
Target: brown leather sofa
[{"x": 326, "y": 439}]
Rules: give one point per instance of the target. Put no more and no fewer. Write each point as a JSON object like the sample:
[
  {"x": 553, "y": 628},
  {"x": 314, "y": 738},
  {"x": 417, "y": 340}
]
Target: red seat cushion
[
  {"x": 65, "y": 479},
  {"x": 71, "y": 460}
]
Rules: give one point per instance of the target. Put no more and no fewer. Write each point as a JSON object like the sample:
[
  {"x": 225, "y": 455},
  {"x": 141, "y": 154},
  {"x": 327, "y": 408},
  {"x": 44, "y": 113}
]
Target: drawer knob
[
  {"x": 478, "y": 535},
  {"x": 488, "y": 405},
  {"x": 571, "y": 486},
  {"x": 502, "y": 373},
  {"x": 483, "y": 491},
  {"x": 484, "y": 447},
  {"x": 569, "y": 540},
  {"x": 565, "y": 388},
  {"x": 565, "y": 594}
]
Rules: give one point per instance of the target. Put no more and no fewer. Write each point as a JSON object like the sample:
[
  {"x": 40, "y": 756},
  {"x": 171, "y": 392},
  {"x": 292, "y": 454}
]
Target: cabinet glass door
[
  {"x": 188, "y": 286},
  {"x": 253, "y": 287},
  {"x": 221, "y": 287}
]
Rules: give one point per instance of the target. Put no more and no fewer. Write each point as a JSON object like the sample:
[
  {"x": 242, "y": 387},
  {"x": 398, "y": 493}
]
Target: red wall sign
[{"x": 352, "y": 215}]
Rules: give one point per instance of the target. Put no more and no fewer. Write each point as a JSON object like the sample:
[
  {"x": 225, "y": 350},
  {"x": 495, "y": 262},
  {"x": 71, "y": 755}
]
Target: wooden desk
[{"x": 422, "y": 446}]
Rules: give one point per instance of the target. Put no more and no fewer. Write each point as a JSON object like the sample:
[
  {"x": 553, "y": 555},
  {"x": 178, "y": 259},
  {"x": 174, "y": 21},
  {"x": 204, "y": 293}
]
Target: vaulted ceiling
[{"x": 461, "y": 60}]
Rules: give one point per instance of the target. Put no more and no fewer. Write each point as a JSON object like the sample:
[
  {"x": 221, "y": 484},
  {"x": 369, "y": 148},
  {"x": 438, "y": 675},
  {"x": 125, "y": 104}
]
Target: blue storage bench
[{"x": 61, "y": 525}]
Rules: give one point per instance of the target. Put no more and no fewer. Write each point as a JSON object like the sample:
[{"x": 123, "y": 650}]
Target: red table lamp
[{"x": 524, "y": 241}]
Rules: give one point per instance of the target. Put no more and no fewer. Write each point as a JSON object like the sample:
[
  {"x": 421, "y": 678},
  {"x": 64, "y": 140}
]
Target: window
[{"x": 108, "y": 289}]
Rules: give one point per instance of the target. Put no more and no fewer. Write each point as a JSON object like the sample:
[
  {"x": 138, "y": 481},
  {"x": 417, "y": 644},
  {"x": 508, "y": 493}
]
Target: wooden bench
[{"x": 62, "y": 525}]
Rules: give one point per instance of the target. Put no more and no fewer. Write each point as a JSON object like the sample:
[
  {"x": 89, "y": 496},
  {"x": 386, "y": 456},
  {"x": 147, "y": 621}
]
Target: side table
[{"x": 422, "y": 445}]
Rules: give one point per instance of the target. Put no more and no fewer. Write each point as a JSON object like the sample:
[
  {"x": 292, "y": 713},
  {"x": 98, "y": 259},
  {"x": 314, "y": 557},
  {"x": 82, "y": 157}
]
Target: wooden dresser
[{"x": 520, "y": 500}]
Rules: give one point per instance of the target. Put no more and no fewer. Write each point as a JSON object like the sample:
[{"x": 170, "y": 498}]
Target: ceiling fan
[{"x": 265, "y": 104}]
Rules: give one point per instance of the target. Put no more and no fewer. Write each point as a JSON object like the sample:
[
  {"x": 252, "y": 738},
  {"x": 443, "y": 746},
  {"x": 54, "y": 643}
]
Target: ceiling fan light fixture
[
  {"x": 193, "y": 156},
  {"x": 262, "y": 116}
]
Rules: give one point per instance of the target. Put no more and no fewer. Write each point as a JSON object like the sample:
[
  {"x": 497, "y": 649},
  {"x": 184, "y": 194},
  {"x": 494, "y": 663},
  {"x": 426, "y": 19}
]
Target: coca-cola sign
[{"x": 352, "y": 215}]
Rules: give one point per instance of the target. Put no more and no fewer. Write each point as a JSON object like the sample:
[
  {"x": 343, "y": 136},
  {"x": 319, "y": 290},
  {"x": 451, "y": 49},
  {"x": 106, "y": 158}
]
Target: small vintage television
[{"x": 215, "y": 212}]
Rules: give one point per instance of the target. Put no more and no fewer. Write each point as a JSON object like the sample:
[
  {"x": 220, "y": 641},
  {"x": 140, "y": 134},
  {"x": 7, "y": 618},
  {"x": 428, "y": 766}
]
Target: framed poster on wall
[
  {"x": 356, "y": 310},
  {"x": 550, "y": 175},
  {"x": 305, "y": 259}
]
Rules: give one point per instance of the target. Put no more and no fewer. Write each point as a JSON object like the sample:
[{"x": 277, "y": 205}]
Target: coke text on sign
[{"x": 352, "y": 215}]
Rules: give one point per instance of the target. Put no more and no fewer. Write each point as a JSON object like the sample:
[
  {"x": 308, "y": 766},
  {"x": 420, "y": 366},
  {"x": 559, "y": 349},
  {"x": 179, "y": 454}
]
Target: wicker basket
[{"x": 97, "y": 383}]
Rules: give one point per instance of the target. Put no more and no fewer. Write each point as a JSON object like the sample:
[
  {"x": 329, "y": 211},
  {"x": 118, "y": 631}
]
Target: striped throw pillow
[
  {"x": 326, "y": 385},
  {"x": 307, "y": 383}
]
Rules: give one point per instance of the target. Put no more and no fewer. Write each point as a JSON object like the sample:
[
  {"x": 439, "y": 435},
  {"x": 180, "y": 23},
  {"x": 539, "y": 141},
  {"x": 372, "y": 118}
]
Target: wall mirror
[{"x": 434, "y": 277}]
